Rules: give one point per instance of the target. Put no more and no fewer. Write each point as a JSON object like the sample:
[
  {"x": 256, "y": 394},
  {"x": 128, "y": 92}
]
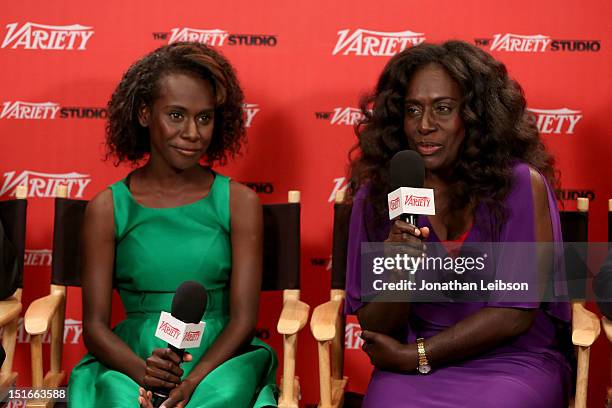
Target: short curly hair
[
  {"x": 498, "y": 129},
  {"x": 128, "y": 141}
]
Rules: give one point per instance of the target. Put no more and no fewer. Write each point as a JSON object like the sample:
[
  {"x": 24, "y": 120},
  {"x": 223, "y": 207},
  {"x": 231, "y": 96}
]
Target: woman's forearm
[
  {"x": 113, "y": 352},
  {"x": 479, "y": 333},
  {"x": 235, "y": 336},
  {"x": 390, "y": 318}
]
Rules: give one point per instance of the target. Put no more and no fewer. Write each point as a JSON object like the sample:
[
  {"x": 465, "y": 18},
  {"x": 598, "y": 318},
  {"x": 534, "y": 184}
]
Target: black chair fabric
[
  {"x": 602, "y": 284},
  {"x": 609, "y": 228},
  {"x": 575, "y": 228},
  {"x": 281, "y": 254},
  {"x": 12, "y": 237},
  {"x": 281, "y": 244},
  {"x": 66, "y": 263},
  {"x": 342, "y": 215}
]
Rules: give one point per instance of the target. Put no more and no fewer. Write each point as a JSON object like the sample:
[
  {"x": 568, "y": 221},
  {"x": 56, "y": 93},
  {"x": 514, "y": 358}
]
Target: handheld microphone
[
  {"x": 182, "y": 327},
  {"x": 408, "y": 199},
  {"x": 2, "y": 355}
]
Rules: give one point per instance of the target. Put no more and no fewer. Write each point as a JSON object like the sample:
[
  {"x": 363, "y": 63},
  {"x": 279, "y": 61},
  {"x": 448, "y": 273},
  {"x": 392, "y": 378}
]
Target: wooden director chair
[
  {"x": 327, "y": 319},
  {"x": 281, "y": 271},
  {"x": 13, "y": 219},
  {"x": 328, "y": 322},
  {"x": 48, "y": 312},
  {"x": 585, "y": 324},
  {"x": 607, "y": 324}
]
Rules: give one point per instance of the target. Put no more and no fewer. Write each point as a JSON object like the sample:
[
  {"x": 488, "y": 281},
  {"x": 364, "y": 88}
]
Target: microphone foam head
[
  {"x": 406, "y": 169},
  {"x": 189, "y": 302}
]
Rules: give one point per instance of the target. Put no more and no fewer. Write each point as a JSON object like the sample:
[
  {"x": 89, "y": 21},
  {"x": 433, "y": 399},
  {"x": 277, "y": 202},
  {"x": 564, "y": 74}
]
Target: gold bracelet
[{"x": 423, "y": 367}]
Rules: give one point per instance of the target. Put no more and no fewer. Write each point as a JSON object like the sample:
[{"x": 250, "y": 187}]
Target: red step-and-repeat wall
[{"x": 303, "y": 66}]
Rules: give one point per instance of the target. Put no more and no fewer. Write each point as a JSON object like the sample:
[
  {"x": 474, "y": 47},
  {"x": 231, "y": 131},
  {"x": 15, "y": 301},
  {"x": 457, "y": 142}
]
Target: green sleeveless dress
[{"x": 156, "y": 250}]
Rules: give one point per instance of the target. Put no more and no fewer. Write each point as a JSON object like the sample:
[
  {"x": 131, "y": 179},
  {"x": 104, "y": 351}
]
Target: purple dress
[{"x": 529, "y": 372}]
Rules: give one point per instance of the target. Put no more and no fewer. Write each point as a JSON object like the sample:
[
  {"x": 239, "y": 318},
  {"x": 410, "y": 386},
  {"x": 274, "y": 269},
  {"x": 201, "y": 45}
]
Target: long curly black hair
[
  {"x": 498, "y": 129},
  {"x": 128, "y": 141}
]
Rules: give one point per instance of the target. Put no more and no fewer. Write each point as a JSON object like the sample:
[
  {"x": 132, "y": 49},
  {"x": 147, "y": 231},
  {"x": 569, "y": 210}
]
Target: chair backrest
[
  {"x": 281, "y": 253},
  {"x": 575, "y": 228},
  {"x": 342, "y": 215},
  {"x": 281, "y": 257},
  {"x": 602, "y": 284},
  {"x": 66, "y": 262},
  {"x": 13, "y": 219},
  {"x": 610, "y": 221}
]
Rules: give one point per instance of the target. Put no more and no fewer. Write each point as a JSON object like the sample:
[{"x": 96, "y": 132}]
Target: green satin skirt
[{"x": 246, "y": 380}]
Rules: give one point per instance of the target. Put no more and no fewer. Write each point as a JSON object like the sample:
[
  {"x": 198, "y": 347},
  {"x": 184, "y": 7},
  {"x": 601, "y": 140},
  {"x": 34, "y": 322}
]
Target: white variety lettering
[
  {"x": 32, "y": 36},
  {"x": 352, "y": 341},
  {"x": 29, "y": 110},
  {"x": 251, "y": 109},
  {"x": 520, "y": 43},
  {"x": 44, "y": 184},
  {"x": 346, "y": 116},
  {"x": 214, "y": 37},
  {"x": 556, "y": 121},
  {"x": 375, "y": 43},
  {"x": 340, "y": 184},
  {"x": 37, "y": 257}
]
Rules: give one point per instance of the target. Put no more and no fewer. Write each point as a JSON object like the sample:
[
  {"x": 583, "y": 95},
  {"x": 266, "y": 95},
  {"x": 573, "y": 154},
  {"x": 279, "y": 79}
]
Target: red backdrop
[{"x": 303, "y": 66}]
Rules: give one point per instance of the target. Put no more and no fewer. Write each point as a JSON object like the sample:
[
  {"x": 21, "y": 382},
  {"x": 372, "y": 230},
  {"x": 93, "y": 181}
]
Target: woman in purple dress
[{"x": 456, "y": 106}]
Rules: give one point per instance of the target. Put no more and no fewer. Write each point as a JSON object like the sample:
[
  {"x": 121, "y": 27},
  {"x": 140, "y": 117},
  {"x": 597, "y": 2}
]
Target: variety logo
[
  {"x": 48, "y": 110},
  {"x": 417, "y": 201},
  {"x": 411, "y": 200},
  {"x": 342, "y": 116},
  {"x": 509, "y": 42},
  {"x": 216, "y": 37},
  {"x": 364, "y": 42},
  {"x": 572, "y": 195},
  {"x": 29, "y": 110},
  {"x": 44, "y": 184},
  {"x": 250, "y": 109},
  {"x": 73, "y": 329},
  {"x": 170, "y": 330},
  {"x": 209, "y": 37},
  {"x": 340, "y": 184},
  {"x": 556, "y": 120},
  {"x": 352, "y": 341},
  {"x": 32, "y": 36},
  {"x": 192, "y": 335},
  {"x": 394, "y": 204},
  {"x": 37, "y": 257}
]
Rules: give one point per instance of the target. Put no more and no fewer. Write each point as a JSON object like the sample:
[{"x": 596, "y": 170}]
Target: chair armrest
[
  {"x": 9, "y": 310},
  {"x": 585, "y": 326},
  {"x": 38, "y": 316},
  {"x": 293, "y": 317},
  {"x": 325, "y": 319},
  {"x": 607, "y": 325}
]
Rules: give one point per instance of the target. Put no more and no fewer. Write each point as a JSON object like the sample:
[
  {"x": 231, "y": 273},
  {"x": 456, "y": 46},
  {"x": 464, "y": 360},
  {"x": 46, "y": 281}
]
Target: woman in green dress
[{"x": 171, "y": 220}]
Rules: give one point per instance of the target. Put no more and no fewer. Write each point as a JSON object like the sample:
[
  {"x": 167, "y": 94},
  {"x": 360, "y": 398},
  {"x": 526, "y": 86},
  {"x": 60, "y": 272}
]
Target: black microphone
[
  {"x": 188, "y": 306},
  {"x": 2, "y": 355},
  {"x": 408, "y": 198}
]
